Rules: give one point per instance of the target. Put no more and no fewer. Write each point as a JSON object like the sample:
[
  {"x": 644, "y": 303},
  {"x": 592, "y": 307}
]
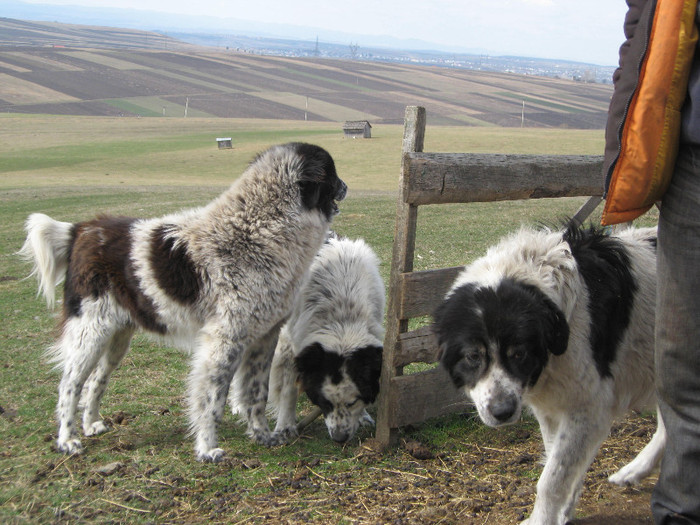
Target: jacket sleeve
[
  {"x": 634, "y": 9},
  {"x": 636, "y": 30}
]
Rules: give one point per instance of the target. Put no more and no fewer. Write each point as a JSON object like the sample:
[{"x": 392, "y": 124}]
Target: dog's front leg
[
  {"x": 214, "y": 363},
  {"x": 283, "y": 387},
  {"x": 255, "y": 376},
  {"x": 573, "y": 448}
]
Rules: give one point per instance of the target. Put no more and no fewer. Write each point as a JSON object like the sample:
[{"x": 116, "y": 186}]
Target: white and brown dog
[
  {"x": 562, "y": 322},
  {"x": 332, "y": 344},
  {"x": 220, "y": 280}
]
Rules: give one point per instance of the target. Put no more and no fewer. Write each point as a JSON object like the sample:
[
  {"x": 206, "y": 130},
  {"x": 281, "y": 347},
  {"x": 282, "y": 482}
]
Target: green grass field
[{"x": 72, "y": 168}]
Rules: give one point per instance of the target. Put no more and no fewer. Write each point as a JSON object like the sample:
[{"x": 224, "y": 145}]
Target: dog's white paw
[
  {"x": 213, "y": 455},
  {"x": 270, "y": 439},
  {"x": 287, "y": 434},
  {"x": 625, "y": 477},
  {"x": 366, "y": 420},
  {"x": 71, "y": 447},
  {"x": 546, "y": 520},
  {"x": 95, "y": 429}
]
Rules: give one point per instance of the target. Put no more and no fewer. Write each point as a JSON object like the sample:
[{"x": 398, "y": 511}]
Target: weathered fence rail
[{"x": 440, "y": 178}]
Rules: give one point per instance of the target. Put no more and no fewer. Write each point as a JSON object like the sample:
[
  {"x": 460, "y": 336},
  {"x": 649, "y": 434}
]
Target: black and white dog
[
  {"x": 220, "y": 280},
  {"x": 332, "y": 343},
  {"x": 563, "y": 322}
]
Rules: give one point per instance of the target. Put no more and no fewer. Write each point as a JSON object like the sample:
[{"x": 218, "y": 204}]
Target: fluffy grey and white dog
[
  {"x": 220, "y": 280},
  {"x": 332, "y": 343},
  {"x": 562, "y": 322}
]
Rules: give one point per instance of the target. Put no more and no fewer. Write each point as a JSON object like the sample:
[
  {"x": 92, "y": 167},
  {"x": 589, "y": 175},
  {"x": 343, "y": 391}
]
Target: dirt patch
[
  {"x": 476, "y": 476},
  {"x": 486, "y": 484}
]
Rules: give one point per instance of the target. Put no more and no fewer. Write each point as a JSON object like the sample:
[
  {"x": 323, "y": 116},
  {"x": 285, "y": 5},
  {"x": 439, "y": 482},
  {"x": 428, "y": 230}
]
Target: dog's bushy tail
[{"x": 47, "y": 247}]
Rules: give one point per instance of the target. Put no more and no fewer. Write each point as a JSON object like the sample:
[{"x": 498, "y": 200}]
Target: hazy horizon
[{"x": 549, "y": 29}]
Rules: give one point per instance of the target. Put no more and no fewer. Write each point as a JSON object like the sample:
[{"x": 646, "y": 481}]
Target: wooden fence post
[{"x": 401, "y": 262}]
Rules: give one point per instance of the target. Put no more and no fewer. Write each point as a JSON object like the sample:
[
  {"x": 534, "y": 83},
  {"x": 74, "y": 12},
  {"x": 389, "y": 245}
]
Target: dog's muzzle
[
  {"x": 504, "y": 409},
  {"x": 339, "y": 436},
  {"x": 340, "y": 194}
]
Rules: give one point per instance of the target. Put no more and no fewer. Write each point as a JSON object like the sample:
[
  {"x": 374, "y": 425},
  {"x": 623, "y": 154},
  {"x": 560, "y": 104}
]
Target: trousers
[{"x": 676, "y": 497}]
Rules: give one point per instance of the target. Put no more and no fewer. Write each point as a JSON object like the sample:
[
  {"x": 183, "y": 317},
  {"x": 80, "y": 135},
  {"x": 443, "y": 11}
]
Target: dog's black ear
[
  {"x": 317, "y": 163},
  {"x": 365, "y": 367},
  {"x": 310, "y": 359},
  {"x": 555, "y": 329},
  {"x": 317, "y": 166},
  {"x": 367, "y": 358},
  {"x": 373, "y": 356},
  {"x": 310, "y": 194}
]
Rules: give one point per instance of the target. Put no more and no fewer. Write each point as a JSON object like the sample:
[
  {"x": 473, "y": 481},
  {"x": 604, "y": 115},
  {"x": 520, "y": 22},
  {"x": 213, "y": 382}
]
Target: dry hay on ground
[{"x": 480, "y": 485}]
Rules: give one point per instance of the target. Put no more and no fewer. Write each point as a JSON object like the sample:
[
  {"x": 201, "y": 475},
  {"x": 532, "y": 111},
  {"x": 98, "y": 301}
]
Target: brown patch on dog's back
[
  {"x": 100, "y": 262},
  {"x": 173, "y": 268}
]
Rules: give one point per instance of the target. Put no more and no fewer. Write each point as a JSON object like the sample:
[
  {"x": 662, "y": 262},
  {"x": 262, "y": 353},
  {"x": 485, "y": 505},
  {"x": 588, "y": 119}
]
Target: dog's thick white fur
[
  {"x": 562, "y": 322},
  {"x": 220, "y": 280},
  {"x": 331, "y": 346}
]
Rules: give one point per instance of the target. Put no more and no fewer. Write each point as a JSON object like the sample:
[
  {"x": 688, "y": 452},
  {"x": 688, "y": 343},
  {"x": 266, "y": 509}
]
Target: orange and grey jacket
[{"x": 643, "y": 128}]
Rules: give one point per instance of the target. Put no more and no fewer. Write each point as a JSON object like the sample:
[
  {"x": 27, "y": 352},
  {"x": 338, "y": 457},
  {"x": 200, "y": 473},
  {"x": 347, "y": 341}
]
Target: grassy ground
[{"x": 143, "y": 471}]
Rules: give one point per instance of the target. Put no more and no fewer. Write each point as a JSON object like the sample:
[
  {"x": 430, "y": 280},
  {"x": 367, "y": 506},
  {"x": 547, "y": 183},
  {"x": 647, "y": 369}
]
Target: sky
[{"x": 585, "y": 31}]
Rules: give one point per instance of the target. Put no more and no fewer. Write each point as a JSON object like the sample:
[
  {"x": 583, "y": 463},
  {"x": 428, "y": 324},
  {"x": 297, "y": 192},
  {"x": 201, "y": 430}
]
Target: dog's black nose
[
  {"x": 504, "y": 409},
  {"x": 339, "y": 436},
  {"x": 342, "y": 191}
]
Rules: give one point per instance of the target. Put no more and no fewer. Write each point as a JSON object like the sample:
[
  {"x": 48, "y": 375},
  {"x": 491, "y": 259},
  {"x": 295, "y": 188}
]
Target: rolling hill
[{"x": 84, "y": 70}]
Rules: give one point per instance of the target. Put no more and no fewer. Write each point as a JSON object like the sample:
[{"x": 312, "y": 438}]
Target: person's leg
[{"x": 676, "y": 498}]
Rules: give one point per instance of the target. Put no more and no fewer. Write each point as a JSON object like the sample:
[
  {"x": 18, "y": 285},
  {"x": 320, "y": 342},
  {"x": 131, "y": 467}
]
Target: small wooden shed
[
  {"x": 357, "y": 128},
  {"x": 224, "y": 142}
]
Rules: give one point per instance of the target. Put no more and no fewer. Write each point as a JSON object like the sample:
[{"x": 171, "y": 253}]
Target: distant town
[
  {"x": 288, "y": 41},
  {"x": 563, "y": 69}
]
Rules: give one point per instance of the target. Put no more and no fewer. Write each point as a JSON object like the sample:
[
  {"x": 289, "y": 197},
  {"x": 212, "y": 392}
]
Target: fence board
[
  {"x": 440, "y": 178},
  {"x": 417, "y": 346},
  {"x": 420, "y": 396},
  {"x": 423, "y": 291}
]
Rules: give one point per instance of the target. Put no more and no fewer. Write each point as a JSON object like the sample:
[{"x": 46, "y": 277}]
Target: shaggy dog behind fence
[
  {"x": 562, "y": 321},
  {"x": 332, "y": 343},
  {"x": 220, "y": 280}
]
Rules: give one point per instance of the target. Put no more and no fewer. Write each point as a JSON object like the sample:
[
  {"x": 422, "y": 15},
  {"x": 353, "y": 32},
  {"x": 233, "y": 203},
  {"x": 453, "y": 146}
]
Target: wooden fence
[{"x": 438, "y": 178}]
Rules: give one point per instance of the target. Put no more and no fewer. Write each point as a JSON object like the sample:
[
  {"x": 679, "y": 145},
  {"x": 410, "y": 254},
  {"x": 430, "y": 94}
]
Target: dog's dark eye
[
  {"x": 349, "y": 405},
  {"x": 472, "y": 357},
  {"x": 516, "y": 353}
]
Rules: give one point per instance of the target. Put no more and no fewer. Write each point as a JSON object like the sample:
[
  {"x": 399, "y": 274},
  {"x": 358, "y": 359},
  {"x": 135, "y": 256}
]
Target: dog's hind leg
[
  {"x": 97, "y": 382},
  {"x": 646, "y": 461},
  {"x": 80, "y": 348}
]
